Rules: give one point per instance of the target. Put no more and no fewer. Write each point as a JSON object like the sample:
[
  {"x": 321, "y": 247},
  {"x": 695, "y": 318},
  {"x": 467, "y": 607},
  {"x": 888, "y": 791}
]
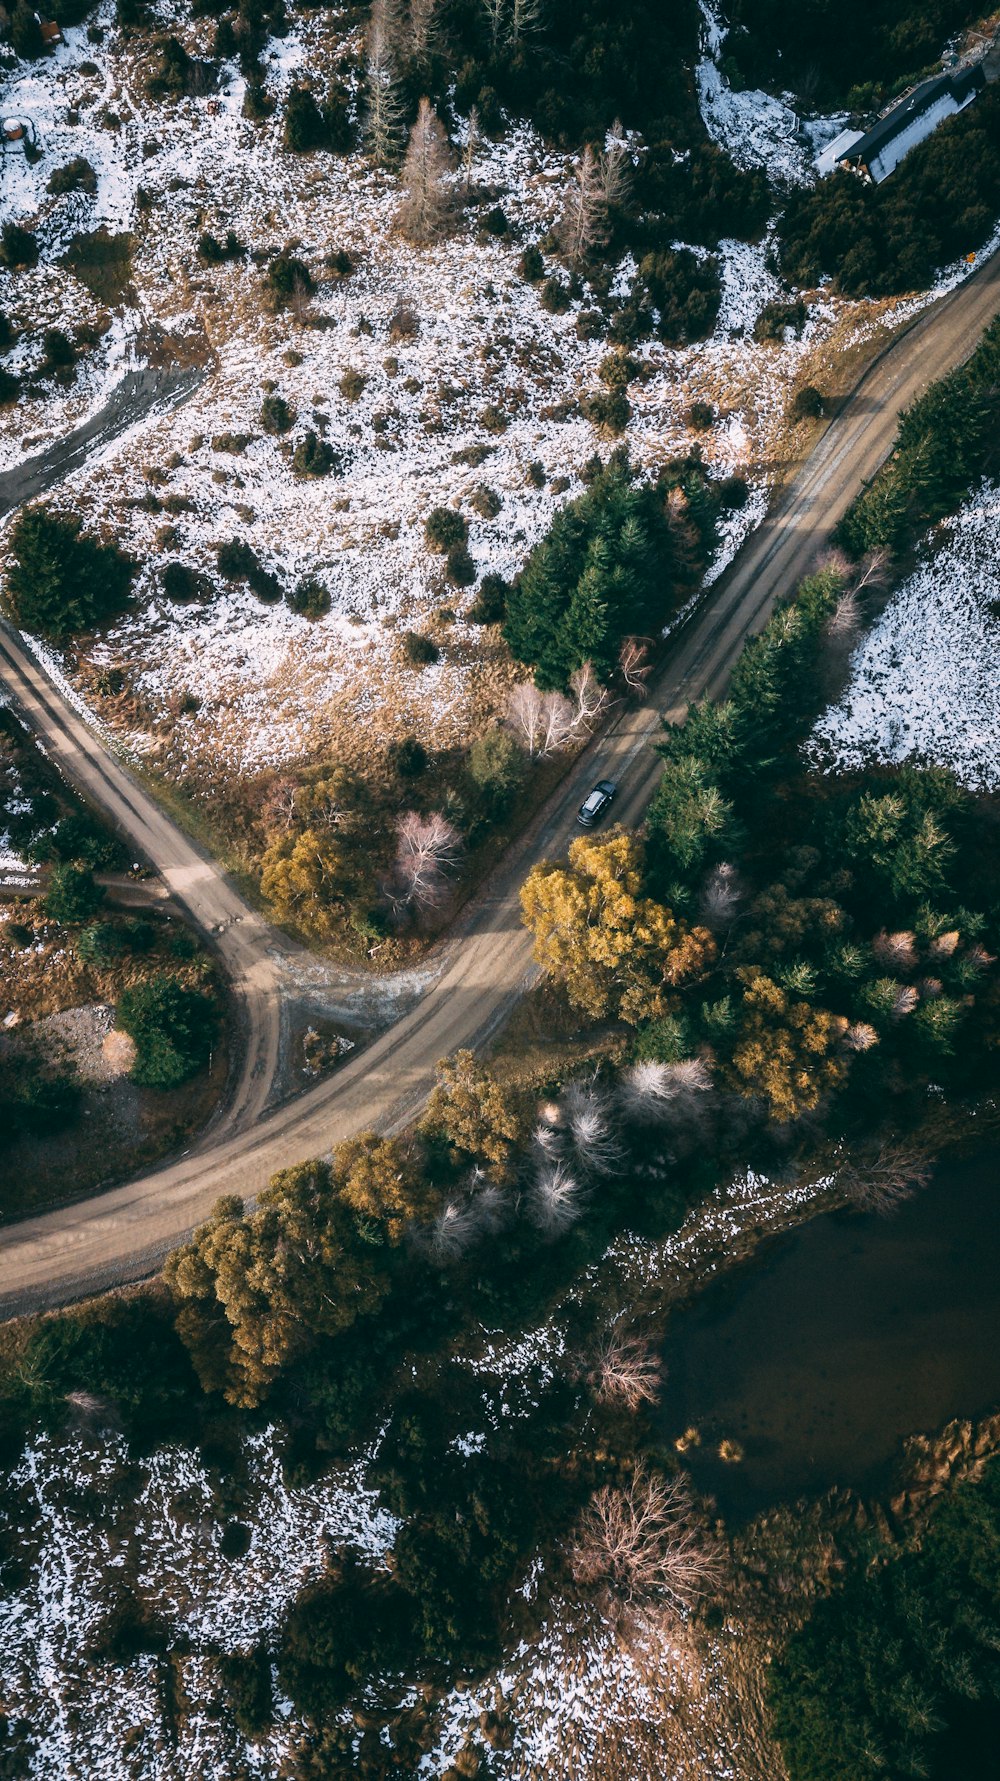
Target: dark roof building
[{"x": 879, "y": 150}]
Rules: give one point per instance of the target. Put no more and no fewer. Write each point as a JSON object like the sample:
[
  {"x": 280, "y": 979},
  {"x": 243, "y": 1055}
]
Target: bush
[
  {"x": 246, "y": 1678},
  {"x": 72, "y": 897},
  {"x": 339, "y": 263},
  {"x": 700, "y": 416},
  {"x": 313, "y": 456},
  {"x": 181, "y": 583},
  {"x": 445, "y": 527},
  {"x": 60, "y": 353},
  {"x": 76, "y": 176},
  {"x": 486, "y": 502},
  {"x": 459, "y": 566},
  {"x": 310, "y": 599},
  {"x": 685, "y": 290},
  {"x": 490, "y": 604},
  {"x": 352, "y": 385},
  {"x": 63, "y": 581},
  {"x": 609, "y": 410},
  {"x": 408, "y": 758},
  {"x": 496, "y": 767},
  {"x": 101, "y": 944},
  {"x": 10, "y": 388},
  {"x": 776, "y": 318},
  {"x": 531, "y": 265},
  {"x": 214, "y": 252},
  {"x": 807, "y": 404},
  {"x": 18, "y": 248},
  {"x": 418, "y": 650},
  {"x": 305, "y": 127},
  {"x": 234, "y": 444},
  {"x": 236, "y": 561},
  {"x": 285, "y": 278},
  {"x": 275, "y": 414},
  {"x": 404, "y": 323},
  {"x": 173, "y": 1028},
  {"x": 493, "y": 418},
  {"x": 554, "y": 296}
]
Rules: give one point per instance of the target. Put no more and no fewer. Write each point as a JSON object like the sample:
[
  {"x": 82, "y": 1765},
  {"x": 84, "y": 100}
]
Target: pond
[{"x": 838, "y": 1340}]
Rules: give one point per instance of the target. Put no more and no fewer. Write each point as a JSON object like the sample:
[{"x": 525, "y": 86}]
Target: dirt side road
[{"x": 125, "y": 1233}]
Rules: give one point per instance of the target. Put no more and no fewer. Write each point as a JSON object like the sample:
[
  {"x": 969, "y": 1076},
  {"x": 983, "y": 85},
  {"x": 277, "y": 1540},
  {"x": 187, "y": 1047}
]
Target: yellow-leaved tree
[
  {"x": 476, "y": 1115},
  {"x": 787, "y": 1052},
  {"x": 304, "y": 877},
  {"x": 615, "y": 951}
]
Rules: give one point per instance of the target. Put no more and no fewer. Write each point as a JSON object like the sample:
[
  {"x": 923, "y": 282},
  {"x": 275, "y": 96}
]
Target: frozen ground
[
  {"x": 95, "y": 1527},
  {"x": 226, "y": 686},
  {"x": 925, "y": 681}
]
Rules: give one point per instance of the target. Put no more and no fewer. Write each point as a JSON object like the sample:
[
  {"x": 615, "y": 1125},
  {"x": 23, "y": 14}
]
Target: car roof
[{"x": 592, "y": 799}]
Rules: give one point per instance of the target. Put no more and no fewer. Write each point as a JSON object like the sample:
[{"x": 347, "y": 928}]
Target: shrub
[
  {"x": 554, "y": 296},
  {"x": 313, "y": 456},
  {"x": 408, "y": 758},
  {"x": 459, "y": 566},
  {"x": 775, "y": 318},
  {"x": 26, "y": 32},
  {"x": 214, "y": 252},
  {"x": 418, "y": 650},
  {"x": 486, "y": 502},
  {"x": 18, "y": 248},
  {"x": 494, "y": 419},
  {"x": 490, "y": 604},
  {"x": 285, "y": 278},
  {"x": 101, "y": 944},
  {"x": 531, "y": 265},
  {"x": 275, "y": 414},
  {"x": 352, "y": 385},
  {"x": 235, "y": 559},
  {"x": 181, "y": 583},
  {"x": 685, "y": 291},
  {"x": 807, "y": 404},
  {"x": 173, "y": 1028},
  {"x": 234, "y": 444},
  {"x": 10, "y": 388},
  {"x": 339, "y": 263},
  {"x": 76, "y": 176},
  {"x": 305, "y": 127},
  {"x": 246, "y": 1678},
  {"x": 310, "y": 599},
  {"x": 610, "y": 410},
  {"x": 496, "y": 767},
  {"x": 590, "y": 324},
  {"x": 404, "y": 323},
  {"x": 62, "y": 580},
  {"x": 495, "y": 221},
  {"x": 60, "y": 353},
  {"x": 72, "y": 897},
  {"x": 444, "y": 527},
  {"x": 700, "y": 416}
]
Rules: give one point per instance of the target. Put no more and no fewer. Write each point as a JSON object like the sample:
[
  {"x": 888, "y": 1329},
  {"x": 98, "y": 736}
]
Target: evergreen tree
[
  {"x": 61, "y": 580},
  {"x": 305, "y": 126}
]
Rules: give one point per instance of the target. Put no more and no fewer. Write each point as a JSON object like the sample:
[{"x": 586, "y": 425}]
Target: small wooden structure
[{"x": 51, "y": 33}]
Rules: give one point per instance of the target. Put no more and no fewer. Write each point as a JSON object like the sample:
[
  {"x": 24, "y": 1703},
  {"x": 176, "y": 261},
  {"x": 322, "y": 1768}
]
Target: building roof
[{"x": 958, "y": 86}]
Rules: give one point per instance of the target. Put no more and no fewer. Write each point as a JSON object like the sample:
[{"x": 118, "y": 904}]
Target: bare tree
[
  {"x": 600, "y": 182},
  {"x": 720, "y": 898},
  {"x": 453, "y": 1231},
  {"x": 876, "y": 569},
  {"x": 549, "y": 722},
  {"x": 945, "y": 944},
  {"x": 634, "y": 666},
  {"x": 525, "y": 17},
  {"x": 626, "y": 1370},
  {"x": 658, "y": 1092},
  {"x": 382, "y": 121},
  {"x": 597, "y": 1147},
  {"x": 882, "y": 1182},
  {"x": 495, "y": 11},
  {"x": 641, "y": 1542},
  {"x": 904, "y": 1001},
  {"x": 423, "y": 28},
  {"x": 554, "y": 1200},
  {"x": 428, "y": 850},
  {"x": 591, "y": 697},
  {"x": 279, "y": 807},
  {"x": 898, "y": 951},
  {"x": 860, "y": 1036},
  {"x": 428, "y": 195},
  {"x": 470, "y": 147}
]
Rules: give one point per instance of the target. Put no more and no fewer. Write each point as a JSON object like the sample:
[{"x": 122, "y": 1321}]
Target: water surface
[{"x": 841, "y": 1338}]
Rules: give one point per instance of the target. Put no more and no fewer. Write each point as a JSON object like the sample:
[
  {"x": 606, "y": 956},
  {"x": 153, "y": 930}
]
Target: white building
[{"x": 877, "y": 152}]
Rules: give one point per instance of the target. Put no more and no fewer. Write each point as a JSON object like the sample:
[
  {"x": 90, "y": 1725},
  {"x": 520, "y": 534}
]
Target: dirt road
[{"x": 125, "y": 1233}]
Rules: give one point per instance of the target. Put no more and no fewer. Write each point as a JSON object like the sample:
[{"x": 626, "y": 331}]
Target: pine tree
[{"x": 428, "y": 195}]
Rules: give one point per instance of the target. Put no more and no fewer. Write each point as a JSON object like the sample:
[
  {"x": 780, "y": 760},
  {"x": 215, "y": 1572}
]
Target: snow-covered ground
[
  {"x": 230, "y": 685},
  {"x": 95, "y": 1526},
  {"x": 925, "y": 681}
]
